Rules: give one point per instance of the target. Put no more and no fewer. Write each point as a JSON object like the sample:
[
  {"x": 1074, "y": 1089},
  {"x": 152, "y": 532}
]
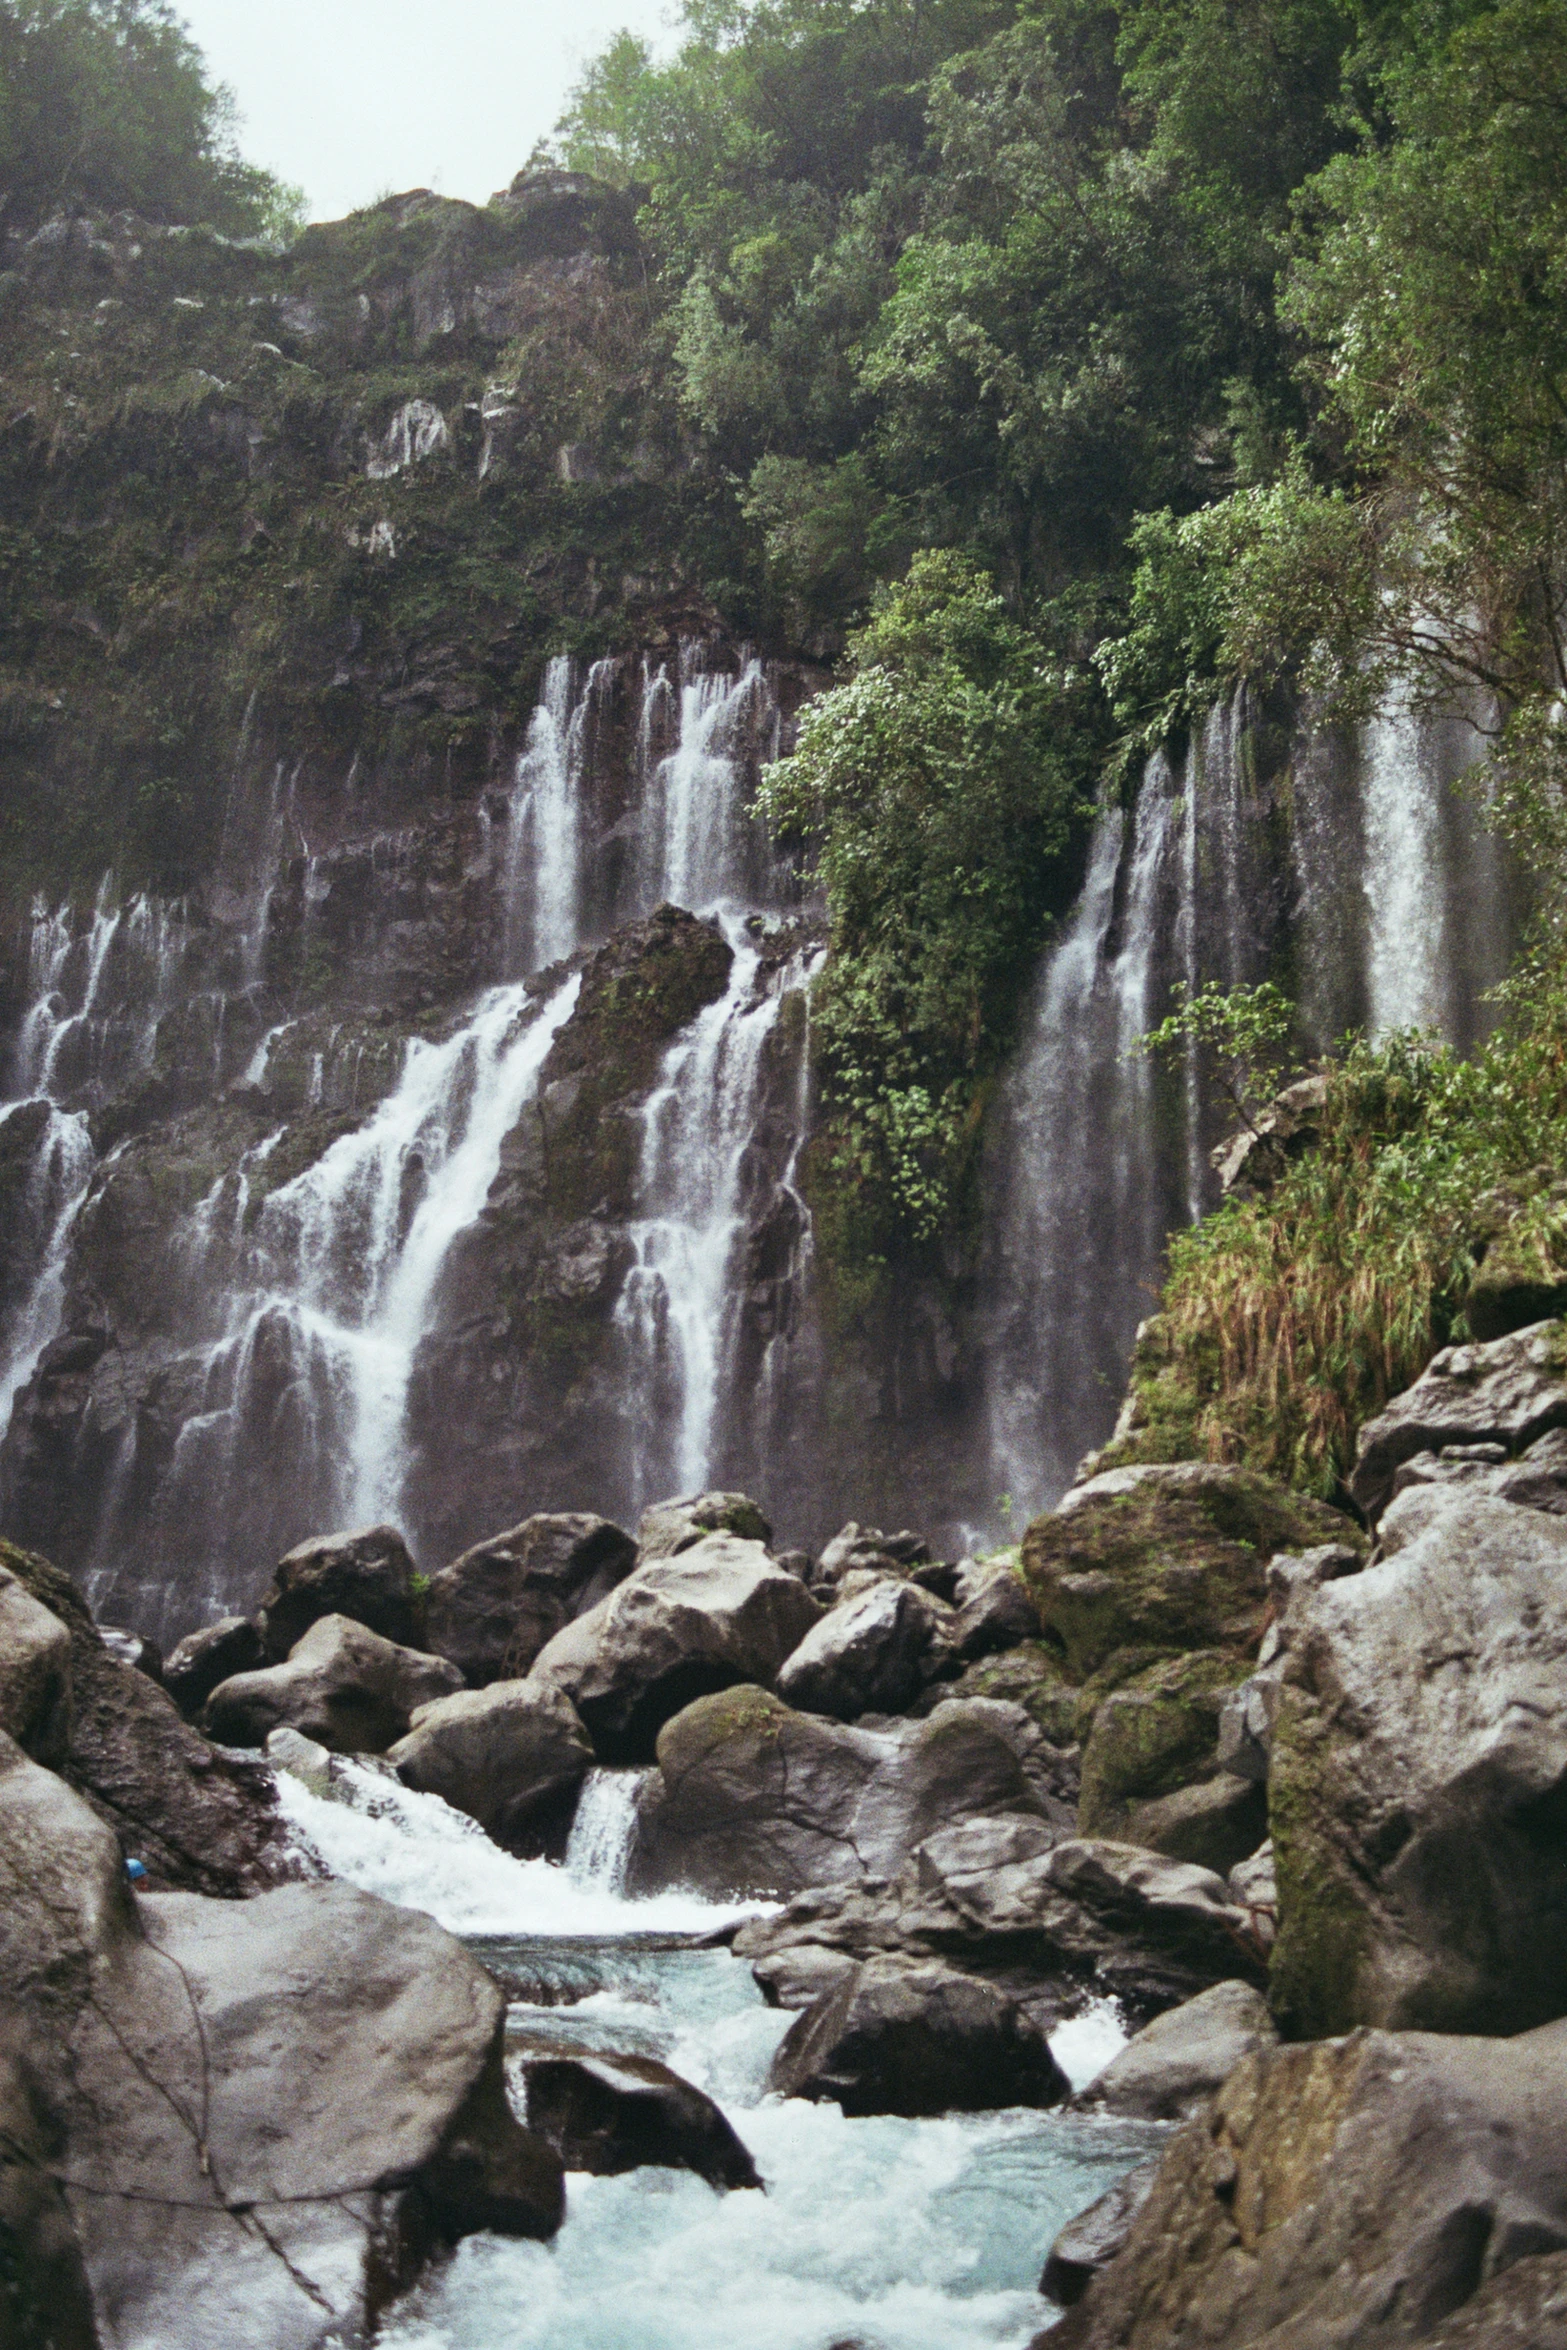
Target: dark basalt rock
[
  {"x": 343, "y": 1685},
  {"x": 754, "y": 1797},
  {"x": 368, "y": 1576},
  {"x": 492, "y": 1610},
  {"x": 202, "y": 1659},
  {"x": 1091, "y": 2241},
  {"x": 870, "y": 1654},
  {"x": 679, "y": 1628},
  {"x": 195, "y": 1818},
  {"x": 608, "y": 2114},
  {"x": 511, "y": 1756},
  {"x": 907, "y": 2036}
]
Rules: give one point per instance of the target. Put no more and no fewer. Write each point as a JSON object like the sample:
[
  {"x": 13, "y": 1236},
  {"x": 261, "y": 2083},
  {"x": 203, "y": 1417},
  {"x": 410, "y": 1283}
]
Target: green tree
[
  {"x": 108, "y": 103},
  {"x": 940, "y": 785}
]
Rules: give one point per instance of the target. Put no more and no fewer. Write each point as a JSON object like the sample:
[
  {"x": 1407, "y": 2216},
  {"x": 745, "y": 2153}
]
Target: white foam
[
  {"x": 1086, "y": 2043},
  {"x": 417, "y": 1851}
]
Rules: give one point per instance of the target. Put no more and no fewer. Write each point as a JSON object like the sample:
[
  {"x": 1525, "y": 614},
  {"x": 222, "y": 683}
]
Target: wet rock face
[
  {"x": 368, "y": 1577},
  {"x": 608, "y": 2114},
  {"x": 511, "y": 1756},
  {"x": 754, "y": 1797},
  {"x": 1388, "y": 2186},
  {"x": 910, "y": 2037},
  {"x": 195, "y": 1818},
  {"x": 492, "y": 1610},
  {"x": 166, "y": 2041},
  {"x": 1419, "y": 1751}
]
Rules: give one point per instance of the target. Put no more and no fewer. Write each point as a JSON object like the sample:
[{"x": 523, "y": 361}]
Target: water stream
[{"x": 902, "y": 2235}]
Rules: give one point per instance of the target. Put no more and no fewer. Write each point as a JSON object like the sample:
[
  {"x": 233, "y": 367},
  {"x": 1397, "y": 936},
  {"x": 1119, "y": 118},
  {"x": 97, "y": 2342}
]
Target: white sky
[{"x": 350, "y": 98}]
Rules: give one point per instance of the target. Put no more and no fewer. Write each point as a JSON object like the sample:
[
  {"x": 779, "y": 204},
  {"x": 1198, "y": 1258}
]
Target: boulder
[
  {"x": 669, "y": 1527},
  {"x": 1091, "y": 2241},
  {"x": 1536, "y": 1480},
  {"x": 753, "y": 1797},
  {"x": 1174, "y": 2065},
  {"x": 606, "y": 2114},
  {"x": 194, "y": 1817},
  {"x": 368, "y": 1576},
  {"x": 1032, "y": 1676},
  {"x": 908, "y": 2036},
  {"x": 35, "y": 1673},
  {"x": 684, "y": 1627},
  {"x": 855, "y": 1549},
  {"x": 1166, "y": 1557},
  {"x": 988, "y": 1895},
  {"x": 1507, "y": 1393},
  {"x": 511, "y": 1756},
  {"x": 871, "y": 1654},
  {"x": 262, "y": 2116},
  {"x": 1150, "y": 1765},
  {"x": 1415, "y": 1797},
  {"x": 343, "y": 1685},
  {"x": 202, "y": 1659},
  {"x": 1378, "y": 2189},
  {"x": 995, "y": 1613},
  {"x": 492, "y": 1610}
]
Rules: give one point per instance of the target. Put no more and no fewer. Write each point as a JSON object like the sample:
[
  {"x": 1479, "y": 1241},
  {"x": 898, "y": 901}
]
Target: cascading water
[
  {"x": 333, "y": 1289},
  {"x": 680, "y": 1307},
  {"x": 1391, "y": 910},
  {"x": 62, "y": 1165},
  {"x": 1082, "y": 1210}
]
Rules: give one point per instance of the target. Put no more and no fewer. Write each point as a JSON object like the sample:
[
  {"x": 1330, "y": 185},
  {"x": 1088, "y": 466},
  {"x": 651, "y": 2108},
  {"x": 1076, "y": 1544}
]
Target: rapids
[{"x": 886, "y": 2234}]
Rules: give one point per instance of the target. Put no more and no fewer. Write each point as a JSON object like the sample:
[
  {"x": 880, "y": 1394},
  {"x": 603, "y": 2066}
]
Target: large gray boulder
[
  {"x": 260, "y": 2117},
  {"x": 753, "y": 1797},
  {"x": 1352, "y": 2194},
  {"x": 608, "y": 2114},
  {"x": 35, "y": 1673},
  {"x": 1174, "y": 2065},
  {"x": 1506, "y": 1393},
  {"x": 343, "y": 1685},
  {"x": 1419, "y": 1752},
  {"x": 994, "y": 1612},
  {"x": 368, "y": 1575},
  {"x": 1010, "y": 1898},
  {"x": 511, "y": 1756},
  {"x": 195, "y": 1665},
  {"x": 912, "y": 2036},
  {"x": 196, "y": 1818},
  {"x": 492, "y": 1610},
  {"x": 668, "y": 1527},
  {"x": 717, "y": 1614},
  {"x": 870, "y": 1654}
]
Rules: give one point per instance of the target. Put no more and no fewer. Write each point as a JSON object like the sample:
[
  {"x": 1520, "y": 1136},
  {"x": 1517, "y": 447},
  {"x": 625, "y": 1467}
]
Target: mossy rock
[
  {"x": 1157, "y": 1733},
  {"x": 1520, "y": 1282},
  {"x": 1031, "y": 1676},
  {"x": 1320, "y": 1961},
  {"x": 1166, "y": 1556}
]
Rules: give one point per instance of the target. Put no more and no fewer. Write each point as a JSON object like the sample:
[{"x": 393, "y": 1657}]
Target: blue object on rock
[{"x": 135, "y": 1870}]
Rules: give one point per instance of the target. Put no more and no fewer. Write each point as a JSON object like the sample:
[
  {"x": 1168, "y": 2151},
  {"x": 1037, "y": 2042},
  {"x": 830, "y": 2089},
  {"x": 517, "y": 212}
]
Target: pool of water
[{"x": 874, "y": 2234}]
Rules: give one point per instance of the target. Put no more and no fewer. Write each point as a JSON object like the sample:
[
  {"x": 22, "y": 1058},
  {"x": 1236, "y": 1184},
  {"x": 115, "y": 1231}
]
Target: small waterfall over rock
[
  {"x": 1350, "y": 870},
  {"x": 681, "y": 1308}
]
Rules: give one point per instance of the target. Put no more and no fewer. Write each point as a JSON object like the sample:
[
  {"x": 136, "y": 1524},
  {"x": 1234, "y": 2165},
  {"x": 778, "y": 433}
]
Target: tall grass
[{"x": 1290, "y": 1320}]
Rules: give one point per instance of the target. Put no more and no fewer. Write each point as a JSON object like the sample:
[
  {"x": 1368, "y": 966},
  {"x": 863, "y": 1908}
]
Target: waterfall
[
  {"x": 546, "y": 839},
  {"x": 679, "y": 1311},
  {"x": 1082, "y": 1214},
  {"x": 1390, "y": 907},
  {"x": 309, "y": 1376},
  {"x": 598, "y": 1851},
  {"x": 700, "y": 845},
  {"x": 62, "y": 1167}
]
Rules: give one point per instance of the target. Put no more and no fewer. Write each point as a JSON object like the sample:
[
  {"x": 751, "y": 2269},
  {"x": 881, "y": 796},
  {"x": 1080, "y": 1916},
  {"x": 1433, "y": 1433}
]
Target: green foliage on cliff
[
  {"x": 108, "y": 102},
  {"x": 940, "y": 783},
  {"x": 1289, "y": 1320}
]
